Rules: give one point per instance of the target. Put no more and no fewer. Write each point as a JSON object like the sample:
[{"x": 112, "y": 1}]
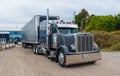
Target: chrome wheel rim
[{"x": 61, "y": 58}]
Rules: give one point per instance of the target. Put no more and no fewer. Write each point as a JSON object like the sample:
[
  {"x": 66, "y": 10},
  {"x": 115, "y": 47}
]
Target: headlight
[
  {"x": 72, "y": 47},
  {"x": 95, "y": 47}
]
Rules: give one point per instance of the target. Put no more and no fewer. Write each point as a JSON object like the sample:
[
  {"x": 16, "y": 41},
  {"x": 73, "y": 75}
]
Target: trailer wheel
[{"x": 61, "y": 58}]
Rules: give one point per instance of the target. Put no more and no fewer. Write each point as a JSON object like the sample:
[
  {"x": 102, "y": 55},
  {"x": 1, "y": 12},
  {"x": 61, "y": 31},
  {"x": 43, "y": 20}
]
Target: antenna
[{"x": 74, "y": 17}]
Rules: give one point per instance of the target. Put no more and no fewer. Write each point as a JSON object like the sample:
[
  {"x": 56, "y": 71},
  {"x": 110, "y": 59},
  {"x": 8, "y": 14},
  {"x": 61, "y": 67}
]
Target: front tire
[{"x": 61, "y": 58}]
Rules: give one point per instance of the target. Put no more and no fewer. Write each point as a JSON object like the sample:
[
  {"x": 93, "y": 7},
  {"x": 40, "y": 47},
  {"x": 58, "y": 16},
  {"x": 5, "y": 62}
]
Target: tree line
[{"x": 93, "y": 22}]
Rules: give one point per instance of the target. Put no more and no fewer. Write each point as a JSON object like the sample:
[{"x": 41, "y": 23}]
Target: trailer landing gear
[{"x": 36, "y": 50}]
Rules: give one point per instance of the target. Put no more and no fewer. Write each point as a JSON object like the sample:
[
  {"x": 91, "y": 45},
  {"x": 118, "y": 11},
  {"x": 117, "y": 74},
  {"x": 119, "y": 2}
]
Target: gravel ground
[{"x": 22, "y": 62}]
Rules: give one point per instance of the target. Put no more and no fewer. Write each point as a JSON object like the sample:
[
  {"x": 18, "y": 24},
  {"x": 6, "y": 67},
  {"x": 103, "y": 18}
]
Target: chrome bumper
[{"x": 82, "y": 58}]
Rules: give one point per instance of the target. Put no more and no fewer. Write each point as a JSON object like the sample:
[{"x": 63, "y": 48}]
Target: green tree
[
  {"x": 104, "y": 23},
  {"x": 82, "y": 18},
  {"x": 117, "y": 18}
]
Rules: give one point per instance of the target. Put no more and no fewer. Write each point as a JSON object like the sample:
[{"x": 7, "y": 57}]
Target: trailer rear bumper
[{"x": 82, "y": 58}]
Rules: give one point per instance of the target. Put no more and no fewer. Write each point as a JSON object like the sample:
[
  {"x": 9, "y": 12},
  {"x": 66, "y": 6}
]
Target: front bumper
[{"x": 82, "y": 58}]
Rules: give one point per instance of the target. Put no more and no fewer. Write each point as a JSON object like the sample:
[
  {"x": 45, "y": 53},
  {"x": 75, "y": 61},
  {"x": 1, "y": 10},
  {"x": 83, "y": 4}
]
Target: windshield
[{"x": 68, "y": 30}]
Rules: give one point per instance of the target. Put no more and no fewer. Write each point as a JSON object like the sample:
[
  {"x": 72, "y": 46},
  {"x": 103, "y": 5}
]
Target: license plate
[{"x": 85, "y": 56}]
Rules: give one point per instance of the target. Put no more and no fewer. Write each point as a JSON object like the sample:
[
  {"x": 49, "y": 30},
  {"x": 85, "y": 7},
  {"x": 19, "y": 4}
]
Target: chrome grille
[{"x": 85, "y": 42}]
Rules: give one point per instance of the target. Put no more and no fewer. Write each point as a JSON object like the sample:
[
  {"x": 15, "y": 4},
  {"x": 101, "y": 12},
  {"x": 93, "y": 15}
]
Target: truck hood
[{"x": 67, "y": 40}]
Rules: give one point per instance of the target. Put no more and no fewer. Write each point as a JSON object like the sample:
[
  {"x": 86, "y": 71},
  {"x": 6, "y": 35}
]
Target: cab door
[{"x": 53, "y": 37}]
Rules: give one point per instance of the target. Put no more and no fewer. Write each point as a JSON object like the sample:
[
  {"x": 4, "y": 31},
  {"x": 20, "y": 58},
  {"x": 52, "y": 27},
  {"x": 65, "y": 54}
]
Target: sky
[{"x": 19, "y": 12}]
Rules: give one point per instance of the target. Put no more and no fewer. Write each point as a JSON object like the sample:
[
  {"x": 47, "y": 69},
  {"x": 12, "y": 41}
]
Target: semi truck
[{"x": 59, "y": 40}]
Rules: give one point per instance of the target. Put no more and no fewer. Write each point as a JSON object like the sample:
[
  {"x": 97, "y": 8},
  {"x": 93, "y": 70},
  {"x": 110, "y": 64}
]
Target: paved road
[{"x": 22, "y": 62}]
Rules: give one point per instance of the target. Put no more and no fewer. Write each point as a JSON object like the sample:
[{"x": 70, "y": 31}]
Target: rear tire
[{"x": 61, "y": 58}]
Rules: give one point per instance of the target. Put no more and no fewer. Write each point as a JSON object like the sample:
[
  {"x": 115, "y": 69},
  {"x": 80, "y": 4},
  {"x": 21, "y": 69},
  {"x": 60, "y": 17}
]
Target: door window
[{"x": 54, "y": 30}]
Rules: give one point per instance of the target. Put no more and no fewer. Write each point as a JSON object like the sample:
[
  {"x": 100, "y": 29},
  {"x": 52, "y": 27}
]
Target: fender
[{"x": 66, "y": 50}]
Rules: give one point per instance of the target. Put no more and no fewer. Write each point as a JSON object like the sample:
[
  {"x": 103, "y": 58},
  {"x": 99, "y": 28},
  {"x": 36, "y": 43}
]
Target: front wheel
[{"x": 61, "y": 58}]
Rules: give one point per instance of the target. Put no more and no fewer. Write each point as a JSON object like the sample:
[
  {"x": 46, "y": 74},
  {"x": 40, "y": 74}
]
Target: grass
[
  {"x": 107, "y": 41},
  {"x": 108, "y": 50}
]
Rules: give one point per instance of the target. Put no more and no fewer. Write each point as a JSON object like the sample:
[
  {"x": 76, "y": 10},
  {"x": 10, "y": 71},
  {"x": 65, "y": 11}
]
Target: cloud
[{"x": 19, "y": 12}]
